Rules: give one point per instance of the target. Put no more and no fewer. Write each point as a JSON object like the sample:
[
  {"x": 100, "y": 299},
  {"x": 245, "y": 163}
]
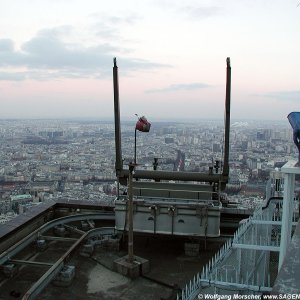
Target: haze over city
[{"x": 56, "y": 58}]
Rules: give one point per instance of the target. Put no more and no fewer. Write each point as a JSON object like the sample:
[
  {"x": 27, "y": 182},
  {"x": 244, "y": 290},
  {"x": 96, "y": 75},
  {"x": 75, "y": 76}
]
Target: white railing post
[{"x": 289, "y": 170}]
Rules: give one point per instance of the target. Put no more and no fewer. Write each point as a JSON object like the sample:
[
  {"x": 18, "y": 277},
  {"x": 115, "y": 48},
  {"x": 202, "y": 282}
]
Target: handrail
[
  {"x": 60, "y": 263},
  {"x": 174, "y": 190},
  {"x": 13, "y": 250},
  {"x": 167, "y": 200}
]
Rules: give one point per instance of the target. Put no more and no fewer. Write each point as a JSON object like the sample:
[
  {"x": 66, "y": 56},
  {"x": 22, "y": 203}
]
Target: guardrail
[
  {"x": 13, "y": 250},
  {"x": 60, "y": 263},
  {"x": 243, "y": 264}
]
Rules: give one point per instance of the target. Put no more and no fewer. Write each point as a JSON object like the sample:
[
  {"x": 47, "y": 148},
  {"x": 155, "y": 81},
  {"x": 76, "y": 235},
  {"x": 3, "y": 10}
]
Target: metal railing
[
  {"x": 248, "y": 263},
  {"x": 55, "y": 268}
]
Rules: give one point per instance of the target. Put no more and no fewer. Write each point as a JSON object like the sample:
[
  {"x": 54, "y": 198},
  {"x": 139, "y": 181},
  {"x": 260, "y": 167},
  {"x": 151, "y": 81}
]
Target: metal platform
[{"x": 172, "y": 209}]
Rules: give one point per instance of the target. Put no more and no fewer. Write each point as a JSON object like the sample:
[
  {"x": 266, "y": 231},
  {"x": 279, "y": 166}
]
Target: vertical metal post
[
  {"x": 130, "y": 214},
  {"x": 118, "y": 188},
  {"x": 287, "y": 214},
  {"x": 172, "y": 213},
  {"x": 239, "y": 264},
  {"x": 155, "y": 163},
  {"x": 277, "y": 176},
  {"x": 119, "y": 163},
  {"x": 227, "y": 118},
  {"x": 135, "y": 146}
]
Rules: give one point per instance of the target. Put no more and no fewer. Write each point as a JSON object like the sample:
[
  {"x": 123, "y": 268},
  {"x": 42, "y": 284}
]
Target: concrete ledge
[{"x": 133, "y": 270}]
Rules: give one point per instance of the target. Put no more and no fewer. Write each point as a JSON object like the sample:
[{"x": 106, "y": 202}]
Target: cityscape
[
  {"x": 159, "y": 197},
  {"x": 69, "y": 159}
]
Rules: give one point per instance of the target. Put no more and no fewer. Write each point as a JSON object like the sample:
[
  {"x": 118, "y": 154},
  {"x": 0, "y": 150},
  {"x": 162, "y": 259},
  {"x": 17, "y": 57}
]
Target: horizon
[{"x": 133, "y": 120}]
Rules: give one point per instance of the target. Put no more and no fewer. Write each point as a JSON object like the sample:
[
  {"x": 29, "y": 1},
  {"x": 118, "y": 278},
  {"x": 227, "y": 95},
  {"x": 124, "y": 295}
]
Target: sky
[{"x": 56, "y": 58}]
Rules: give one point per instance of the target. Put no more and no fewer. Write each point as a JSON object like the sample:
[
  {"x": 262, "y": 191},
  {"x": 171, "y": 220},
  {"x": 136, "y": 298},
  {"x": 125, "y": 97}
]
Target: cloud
[
  {"x": 6, "y": 45},
  {"x": 192, "y": 11},
  {"x": 131, "y": 19},
  {"x": 293, "y": 95},
  {"x": 16, "y": 76},
  {"x": 41, "y": 75},
  {"x": 49, "y": 54},
  {"x": 200, "y": 12},
  {"x": 108, "y": 27},
  {"x": 180, "y": 87},
  {"x": 105, "y": 31}
]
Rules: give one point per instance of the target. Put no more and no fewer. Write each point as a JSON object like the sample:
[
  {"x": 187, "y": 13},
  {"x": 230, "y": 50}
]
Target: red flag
[{"x": 142, "y": 124}]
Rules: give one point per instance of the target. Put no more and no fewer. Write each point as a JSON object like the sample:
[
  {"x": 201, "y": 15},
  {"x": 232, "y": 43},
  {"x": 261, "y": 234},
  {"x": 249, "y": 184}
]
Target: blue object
[{"x": 294, "y": 119}]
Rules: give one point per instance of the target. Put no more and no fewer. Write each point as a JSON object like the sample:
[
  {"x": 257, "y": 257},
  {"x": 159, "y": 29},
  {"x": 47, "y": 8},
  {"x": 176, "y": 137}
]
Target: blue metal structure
[{"x": 294, "y": 119}]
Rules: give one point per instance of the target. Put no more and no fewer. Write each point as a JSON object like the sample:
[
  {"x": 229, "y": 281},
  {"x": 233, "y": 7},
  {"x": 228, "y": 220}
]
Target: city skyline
[{"x": 56, "y": 58}]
